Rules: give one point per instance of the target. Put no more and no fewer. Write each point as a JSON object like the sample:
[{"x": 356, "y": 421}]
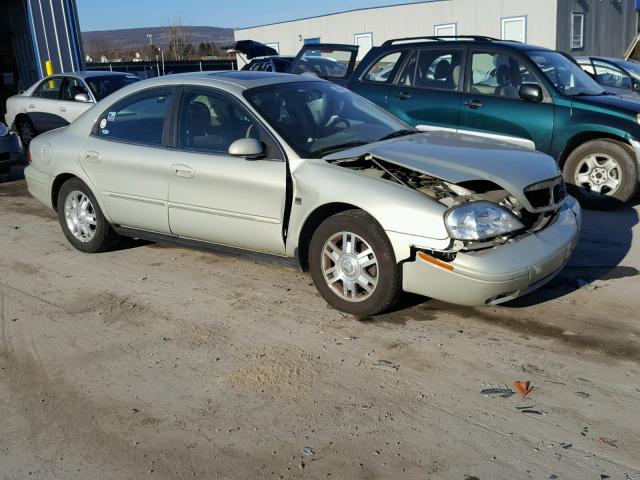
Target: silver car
[
  {"x": 58, "y": 100},
  {"x": 299, "y": 167}
]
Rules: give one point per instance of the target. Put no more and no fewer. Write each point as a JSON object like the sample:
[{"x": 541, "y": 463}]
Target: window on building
[
  {"x": 577, "y": 31},
  {"x": 365, "y": 42},
  {"x": 514, "y": 28},
  {"x": 446, "y": 30}
]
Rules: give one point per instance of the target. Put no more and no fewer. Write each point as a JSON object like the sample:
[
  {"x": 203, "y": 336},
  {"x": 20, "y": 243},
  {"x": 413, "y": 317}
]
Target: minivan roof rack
[{"x": 439, "y": 38}]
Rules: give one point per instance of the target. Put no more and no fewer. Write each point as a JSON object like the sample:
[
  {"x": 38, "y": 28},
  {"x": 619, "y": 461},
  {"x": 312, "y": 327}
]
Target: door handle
[
  {"x": 473, "y": 104},
  {"x": 32, "y": 105},
  {"x": 92, "y": 157},
  {"x": 182, "y": 171},
  {"x": 404, "y": 95},
  {"x": 63, "y": 109}
]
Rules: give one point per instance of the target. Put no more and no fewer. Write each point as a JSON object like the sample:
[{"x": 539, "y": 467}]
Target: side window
[
  {"x": 610, "y": 75},
  {"x": 49, "y": 89},
  {"x": 139, "y": 119},
  {"x": 438, "y": 69},
  {"x": 499, "y": 74},
  {"x": 70, "y": 88},
  {"x": 382, "y": 70},
  {"x": 211, "y": 122}
]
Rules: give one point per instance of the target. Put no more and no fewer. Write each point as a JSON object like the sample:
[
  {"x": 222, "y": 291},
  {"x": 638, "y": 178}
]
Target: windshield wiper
[
  {"x": 398, "y": 133},
  {"x": 342, "y": 146}
]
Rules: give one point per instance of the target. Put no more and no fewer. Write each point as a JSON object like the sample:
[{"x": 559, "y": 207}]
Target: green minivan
[{"x": 513, "y": 92}]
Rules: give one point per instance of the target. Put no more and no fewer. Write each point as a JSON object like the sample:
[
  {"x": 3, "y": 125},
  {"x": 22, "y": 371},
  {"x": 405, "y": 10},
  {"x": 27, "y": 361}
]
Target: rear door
[
  {"x": 332, "y": 61},
  {"x": 492, "y": 102},
  {"x": 68, "y": 107},
  {"x": 42, "y": 106},
  {"x": 428, "y": 91},
  {"x": 126, "y": 158}
]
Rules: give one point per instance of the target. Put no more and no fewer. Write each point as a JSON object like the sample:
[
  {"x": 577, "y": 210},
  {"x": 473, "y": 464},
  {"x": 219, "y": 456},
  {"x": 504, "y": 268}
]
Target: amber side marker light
[{"x": 435, "y": 261}]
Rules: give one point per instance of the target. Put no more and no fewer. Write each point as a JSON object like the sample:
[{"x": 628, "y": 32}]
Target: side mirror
[
  {"x": 82, "y": 98},
  {"x": 247, "y": 148},
  {"x": 531, "y": 92}
]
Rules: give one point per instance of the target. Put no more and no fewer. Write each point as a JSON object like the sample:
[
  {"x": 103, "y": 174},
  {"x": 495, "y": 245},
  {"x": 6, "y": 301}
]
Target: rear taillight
[{"x": 29, "y": 155}]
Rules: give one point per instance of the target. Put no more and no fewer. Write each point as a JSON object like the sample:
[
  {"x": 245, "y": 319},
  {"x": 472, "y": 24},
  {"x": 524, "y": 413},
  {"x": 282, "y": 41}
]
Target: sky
[{"x": 112, "y": 14}]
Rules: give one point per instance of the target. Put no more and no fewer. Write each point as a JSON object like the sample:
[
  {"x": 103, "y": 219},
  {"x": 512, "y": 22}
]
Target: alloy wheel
[
  {"x": 80, "y": 216},
  {"x": 349, "y": 266},
  {"x": 599, "y": 174}
]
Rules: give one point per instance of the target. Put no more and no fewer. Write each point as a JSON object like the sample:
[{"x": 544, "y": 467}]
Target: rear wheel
[
  {"x": 26, "y": 130},
  {"x": 602, "y": 174},
  {"x": 81, "y": 219},
  {"x": 353, "y": 265}
]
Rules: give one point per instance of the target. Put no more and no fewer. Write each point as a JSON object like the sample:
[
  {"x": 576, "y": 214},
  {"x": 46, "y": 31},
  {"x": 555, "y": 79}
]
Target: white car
[{"x": 58, "y": 100}]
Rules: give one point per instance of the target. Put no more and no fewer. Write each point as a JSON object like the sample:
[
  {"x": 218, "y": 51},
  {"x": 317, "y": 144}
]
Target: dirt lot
[{"x": 162, "y": 362}]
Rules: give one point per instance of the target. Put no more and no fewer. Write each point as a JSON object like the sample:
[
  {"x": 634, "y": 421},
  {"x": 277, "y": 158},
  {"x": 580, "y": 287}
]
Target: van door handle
[
  {"x": 473, "y": 104},
  {"x": 93, "y": 157},
  {"x": 182, "y": 171},
  {"x": 404, "y": 95}
]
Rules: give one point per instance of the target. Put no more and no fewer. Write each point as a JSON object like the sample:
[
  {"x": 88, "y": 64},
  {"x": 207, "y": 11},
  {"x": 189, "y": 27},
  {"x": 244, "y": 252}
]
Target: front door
[
  {"x": 68, "y": 107},
  {"x": 492, "y": 103},
  {"x": 127, "y": 160},
  {"x": 429, "y": 89},
  {"x": 42, "y": 106},
  {"x": 217, "y": 197}
]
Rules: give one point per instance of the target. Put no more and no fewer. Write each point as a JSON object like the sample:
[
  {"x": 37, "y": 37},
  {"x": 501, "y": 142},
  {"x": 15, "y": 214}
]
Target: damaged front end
[{"x": 472, "y": 202}]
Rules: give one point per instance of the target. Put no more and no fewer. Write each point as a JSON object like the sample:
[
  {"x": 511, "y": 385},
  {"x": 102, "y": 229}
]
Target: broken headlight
[{"x": 480, "y": 221}]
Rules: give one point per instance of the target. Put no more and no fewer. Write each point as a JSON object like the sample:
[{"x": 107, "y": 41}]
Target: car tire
[
  {"x": 82, "y": 220},
  {"x": 597, "y": 164},
  {"x": 26, "y": 130},
  {"x": 347, "y": 277}
]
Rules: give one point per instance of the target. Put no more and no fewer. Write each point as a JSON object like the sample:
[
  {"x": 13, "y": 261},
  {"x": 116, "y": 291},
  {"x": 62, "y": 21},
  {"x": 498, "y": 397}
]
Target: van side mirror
[
  {"x": 249, "y": 148},
  {"x": 531, "y": 92},
  {"x": 82, "y": 98}
]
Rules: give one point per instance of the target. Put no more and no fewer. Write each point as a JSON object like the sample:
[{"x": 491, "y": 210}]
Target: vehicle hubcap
[
  {"x": 598, "y": 174},
  {"x": 349, "y": 266},
  {"x": 80, "y": 216},
  {"x": 26, "y": 133}
]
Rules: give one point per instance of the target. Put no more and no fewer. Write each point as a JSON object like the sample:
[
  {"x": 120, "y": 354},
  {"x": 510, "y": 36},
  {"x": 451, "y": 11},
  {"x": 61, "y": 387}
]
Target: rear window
[{"x": 104, "y": 86}]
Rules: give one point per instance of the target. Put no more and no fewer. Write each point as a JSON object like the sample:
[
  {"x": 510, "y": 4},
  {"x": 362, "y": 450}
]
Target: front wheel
[
  {"x": 353, "y": 265},
  {"x": 81, "y": 219},
  {"x": 602, "y": 174}
]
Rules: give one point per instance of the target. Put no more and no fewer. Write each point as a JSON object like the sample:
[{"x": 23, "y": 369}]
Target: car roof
[
  {"x": 92, "y": 74},
  {"x": 235, "y": 80},
  {"x": 477, "y": 41}
]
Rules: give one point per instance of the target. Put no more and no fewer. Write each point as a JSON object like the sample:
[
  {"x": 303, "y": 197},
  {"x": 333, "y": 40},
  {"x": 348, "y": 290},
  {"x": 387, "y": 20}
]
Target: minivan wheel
[
  {"x": 26, "y": 130},
  {"x": 602, "y": 174},
  {"x": 81, "y": 219},
  {"x": 353, "y": 265}
]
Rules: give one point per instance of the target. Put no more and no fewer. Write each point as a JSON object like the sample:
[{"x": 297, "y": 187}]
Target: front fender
[{"x": 403, "y": 213}]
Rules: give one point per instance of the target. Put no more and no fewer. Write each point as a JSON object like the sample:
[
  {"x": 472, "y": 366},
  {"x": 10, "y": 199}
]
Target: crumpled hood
[{"x": 456, "y": 158}]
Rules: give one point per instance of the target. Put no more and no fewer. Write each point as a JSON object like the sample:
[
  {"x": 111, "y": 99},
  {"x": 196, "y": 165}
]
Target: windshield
[
  {"x": 565, "y": 75},
  {"x": 319, "y": 118},
  {"x": 103, "y": 86},
  {"x": 632, "y": 67}
]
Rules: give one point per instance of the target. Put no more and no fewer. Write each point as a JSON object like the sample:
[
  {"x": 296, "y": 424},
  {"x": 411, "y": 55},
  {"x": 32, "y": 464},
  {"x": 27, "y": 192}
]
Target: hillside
[{"x": 136, "y": 38}]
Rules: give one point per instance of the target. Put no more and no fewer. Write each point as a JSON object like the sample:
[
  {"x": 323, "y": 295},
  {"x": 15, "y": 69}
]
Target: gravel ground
[{"x": 162, "y": 362}]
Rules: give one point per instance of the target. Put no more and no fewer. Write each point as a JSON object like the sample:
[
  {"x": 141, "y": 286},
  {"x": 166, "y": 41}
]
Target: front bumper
[
  {"x": 11, "y": 153},
  {"x": 502, "y": 273}
]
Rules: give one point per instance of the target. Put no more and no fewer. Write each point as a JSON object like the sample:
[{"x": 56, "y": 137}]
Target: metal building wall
[
  {"x": 609, "y": 26},
  {"x": 55, "y": 34},
  {"x": 479, "y": 17}
]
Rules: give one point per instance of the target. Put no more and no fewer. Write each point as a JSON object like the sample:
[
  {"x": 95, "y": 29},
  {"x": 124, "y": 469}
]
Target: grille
[{"x": 547, "y": 193}]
